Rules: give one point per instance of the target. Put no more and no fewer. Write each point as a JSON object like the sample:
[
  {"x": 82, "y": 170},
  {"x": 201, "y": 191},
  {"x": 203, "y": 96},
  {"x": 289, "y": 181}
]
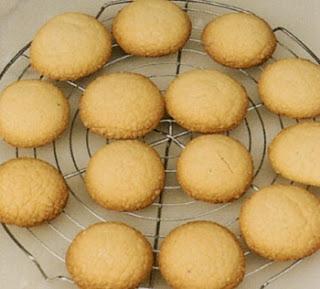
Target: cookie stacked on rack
[{"x": 278, "y": 222}]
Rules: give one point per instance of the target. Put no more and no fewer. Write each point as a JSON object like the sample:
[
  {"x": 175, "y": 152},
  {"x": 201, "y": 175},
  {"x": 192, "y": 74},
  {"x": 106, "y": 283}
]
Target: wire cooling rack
[{"x": 46, "y": 245}]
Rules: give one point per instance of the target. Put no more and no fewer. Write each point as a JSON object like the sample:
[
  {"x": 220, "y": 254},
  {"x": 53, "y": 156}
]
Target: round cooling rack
[{"x": 46, "y": 245}]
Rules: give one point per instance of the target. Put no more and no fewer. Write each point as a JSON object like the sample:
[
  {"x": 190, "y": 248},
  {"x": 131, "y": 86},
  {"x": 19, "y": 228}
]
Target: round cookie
[
  {"x": 32, "y": 113},
  {"x": 151, "y": 28},
  {"x": 70, "y": 46},
  {"x": 121, "y": 105},
  {"x": 201, "y": 255},
  {"x": 239, "y": 40},
  {"x": 31, "y": 192},
  {"x": 206, "y": 101},
  {"x": 281, "y": 222},
  {"x": 214, "y": 168},
  {"x": 125, "y": 176},
  {"x": 291, "y": 87},
  {"x": 109, "y": 255},
  {"x": 295, "y": 153}
]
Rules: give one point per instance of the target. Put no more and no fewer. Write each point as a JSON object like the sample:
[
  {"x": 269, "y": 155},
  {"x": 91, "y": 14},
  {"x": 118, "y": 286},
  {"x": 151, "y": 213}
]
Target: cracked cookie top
[{"x": 215, "y": 168}]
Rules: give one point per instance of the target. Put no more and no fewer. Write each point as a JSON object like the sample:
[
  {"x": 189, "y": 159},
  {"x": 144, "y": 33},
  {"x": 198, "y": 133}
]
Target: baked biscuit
[
  {"x": 125, "y": 176},
  {"x": 295, "y": 153},
  {"x": 291, "y": 87},
  {"x": 32, "y": 113},
  {"x": 31, "y": 192},
  {"x": 214, "y": 168},
  {"x": 70, "y": 46},
  {"x": 206, "y": 101},
  {"x": 151, "y": 28},
  {"x": 239, "y": 40},
  {"x": 109, "y": 255},
  {"x": 121, "y": 105},
  {"x": 201, "y": 254},
  {"x": 281, "y": 222}
]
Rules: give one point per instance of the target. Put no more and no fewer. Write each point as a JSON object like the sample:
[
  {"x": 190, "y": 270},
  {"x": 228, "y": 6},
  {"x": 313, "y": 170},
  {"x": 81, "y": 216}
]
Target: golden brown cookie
[
  {"x": 31, "y": 192},
  {"x": 201, "y": 255},
  {"x": 32, "y": 113},
  {"x": 281, "y": 222},
  {"x": 295, "y": 153},
  {"x": 206, "y": 101},
  {"x": 70, "y": 46},
  {"x": 291, "y": 87},
  {"x": 239, "y": 40},
  {"x": 151, "y": 28},
  {"x": 121, "y": 105},
  {"x": 109, "y": 255},
  {"x": 215, "y": 168},
  {"x": 125, "y": 176}
]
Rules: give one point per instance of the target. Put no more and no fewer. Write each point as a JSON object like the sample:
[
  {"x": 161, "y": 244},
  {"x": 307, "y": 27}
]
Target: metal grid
[{"x": 169, "y": 139}]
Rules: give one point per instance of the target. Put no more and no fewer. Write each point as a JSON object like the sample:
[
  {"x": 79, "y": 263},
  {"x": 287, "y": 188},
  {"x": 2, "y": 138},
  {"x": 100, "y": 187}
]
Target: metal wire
[{"x": 168, "y": 137}]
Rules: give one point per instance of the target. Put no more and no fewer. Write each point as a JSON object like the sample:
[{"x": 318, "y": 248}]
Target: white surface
[{"x": 17, "y": 26}]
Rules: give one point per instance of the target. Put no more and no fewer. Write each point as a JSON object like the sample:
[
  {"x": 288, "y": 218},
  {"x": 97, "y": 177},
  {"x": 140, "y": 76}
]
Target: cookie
[
  {"x": 121, "y": 105},
  {"x": 214, "y": 168},
  {"x": 125, "y": 176},
  {"x": 206, "y": 101},
  {"x": 31, "y": 192},
  {"x": 239, "y": 40},
  {"x": 295, "y": 153},
  {"x": 151, "y": 28},
  {"x": 70, "y": 46},
  {"x": 291, "y": 87},
  {"x": 281, "y": 222},
  {"x": 32, "y": 113},
  {"x": 201, "y": 254},
  {"x": 109, "y": 255}
]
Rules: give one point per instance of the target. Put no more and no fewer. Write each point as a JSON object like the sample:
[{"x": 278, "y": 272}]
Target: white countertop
[{"x": 18, "y": 22}]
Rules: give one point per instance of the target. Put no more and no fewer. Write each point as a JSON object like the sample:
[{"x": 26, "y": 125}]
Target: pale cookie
[
  {"x": 201, "y": 255},
  {"x": 239, "y": 40},
  {"x": 31, "y": 192},
  {"x": 109, "y": 255},
  {"x": 32, "y": 113},
  {"x": 151, "y": 28},
  {"x": 70, "y": 46},
  {"x": 291, "y": 87},
  {"x": 295, "y": 153},
  {"x": 281, "y": 222},
  {"x": 121, "y": 105},
  {"x": 125, "y": 176},
  {"x": 206, "y": 101},
  {"x": 214, "y": 168}
]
